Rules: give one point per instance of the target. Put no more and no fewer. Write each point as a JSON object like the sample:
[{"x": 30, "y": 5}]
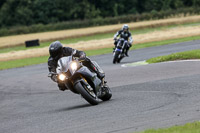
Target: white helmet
[{"x": 125, "y": 27}]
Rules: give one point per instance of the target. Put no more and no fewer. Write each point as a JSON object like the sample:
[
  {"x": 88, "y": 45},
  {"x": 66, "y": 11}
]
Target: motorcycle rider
[
  {"x": 125, "y": 34},
  {"x": 57, "y": 51}
]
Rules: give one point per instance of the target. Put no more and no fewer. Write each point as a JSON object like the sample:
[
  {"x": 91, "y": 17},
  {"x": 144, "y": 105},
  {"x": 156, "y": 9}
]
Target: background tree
[{"x": 29, "y": 12}]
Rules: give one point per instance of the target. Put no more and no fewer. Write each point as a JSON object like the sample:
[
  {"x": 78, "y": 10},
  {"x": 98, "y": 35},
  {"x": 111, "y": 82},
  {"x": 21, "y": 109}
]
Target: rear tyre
[
  {"x": 86, "y": 93},
  {"x": 107, "y": 95}
]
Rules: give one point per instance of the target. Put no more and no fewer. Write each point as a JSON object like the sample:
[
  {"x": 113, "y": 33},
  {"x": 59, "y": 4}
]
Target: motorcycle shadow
[
  {"x": 71, "y": 108},
  {"x": 78, "y": 107},
  {"x": 75, "y": 107}
]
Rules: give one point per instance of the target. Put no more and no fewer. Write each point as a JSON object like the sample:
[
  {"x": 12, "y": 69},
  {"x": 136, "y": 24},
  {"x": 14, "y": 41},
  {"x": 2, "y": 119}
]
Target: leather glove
[
  {"x": 82, "y": 57},
  {"x": 54, "y": 78}
]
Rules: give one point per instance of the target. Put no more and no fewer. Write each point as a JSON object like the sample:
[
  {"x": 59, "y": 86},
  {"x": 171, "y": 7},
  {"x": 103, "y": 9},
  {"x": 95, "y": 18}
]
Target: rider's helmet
[
  {"x": 125, "y": 28},
  {"x": 56, "y": 50}
]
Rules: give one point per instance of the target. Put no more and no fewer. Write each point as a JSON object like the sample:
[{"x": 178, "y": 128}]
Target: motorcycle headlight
[
  {"x": 74, "y": 66},
  {"x": 62, "y": 77}
]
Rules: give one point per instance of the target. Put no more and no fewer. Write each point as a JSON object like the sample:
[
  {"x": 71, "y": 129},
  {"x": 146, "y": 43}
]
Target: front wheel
[
  {"x": 119, "y": 60},
  {"x": 87, "y": 93},
  {"x": 116, "y": 55}
]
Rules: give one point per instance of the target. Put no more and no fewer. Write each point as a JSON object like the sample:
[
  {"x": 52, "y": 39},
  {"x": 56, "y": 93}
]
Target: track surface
[{"x": 150, "y": 96}]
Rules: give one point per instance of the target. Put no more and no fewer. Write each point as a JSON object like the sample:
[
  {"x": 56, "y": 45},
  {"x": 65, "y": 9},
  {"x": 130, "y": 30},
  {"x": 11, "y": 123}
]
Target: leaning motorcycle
[
  {"x": 81, "y": 80},
  {"x": 118, "y": 53}
]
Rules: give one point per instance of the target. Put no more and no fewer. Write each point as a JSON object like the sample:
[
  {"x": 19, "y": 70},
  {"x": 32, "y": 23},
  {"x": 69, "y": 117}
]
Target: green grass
[
  {"x": 22, "y": 62},
  {"x": 193, "y": 54},
  {"x": 73, "y": 40},
  {"x": 187, "y": 128},
  {"x": 66, "y": 41},
  {"x": 100, "y": 36},
  {"x": 95, "y": 37}
]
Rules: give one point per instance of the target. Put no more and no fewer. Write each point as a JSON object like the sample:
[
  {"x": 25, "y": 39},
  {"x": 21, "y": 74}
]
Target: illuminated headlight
[
  {"x": 62, "y": 77},
  {"x": 74, "y": 66}
]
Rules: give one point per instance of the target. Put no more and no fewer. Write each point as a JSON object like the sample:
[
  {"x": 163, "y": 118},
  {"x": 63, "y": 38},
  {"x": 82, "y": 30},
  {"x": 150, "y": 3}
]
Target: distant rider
[
  {"x": 125, "y": 34},
  {"x": 57, "y": 51}
]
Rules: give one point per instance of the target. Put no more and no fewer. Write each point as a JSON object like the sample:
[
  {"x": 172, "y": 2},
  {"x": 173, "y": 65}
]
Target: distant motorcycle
[
  {"x": 118, "y": 53},
  {"x": 81, "y": 80}
]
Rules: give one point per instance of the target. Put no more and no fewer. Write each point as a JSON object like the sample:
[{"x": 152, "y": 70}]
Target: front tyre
[
  {"x": 86, "y": 93},
  {"x": 119, "y": 60},
  {"x": 116, "y": 55}
]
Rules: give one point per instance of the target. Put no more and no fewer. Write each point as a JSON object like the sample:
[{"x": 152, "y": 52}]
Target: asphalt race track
[{"x": 149, "y": 96}]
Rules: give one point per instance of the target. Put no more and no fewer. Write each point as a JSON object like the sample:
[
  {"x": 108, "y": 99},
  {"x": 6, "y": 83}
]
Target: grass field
[
  {"x": 187, "y": 128},
  {"x": 166, "y": 34},
  {"x": 78, "y": 39},
  {"x": 193, "y": 54},
  {"x": 97, "y": 37},
  {"x": 11, "y": 41}
]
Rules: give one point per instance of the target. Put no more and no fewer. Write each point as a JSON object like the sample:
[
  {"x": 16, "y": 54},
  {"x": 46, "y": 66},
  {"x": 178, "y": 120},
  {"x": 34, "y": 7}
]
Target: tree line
[{"x": 30, "y": 12}]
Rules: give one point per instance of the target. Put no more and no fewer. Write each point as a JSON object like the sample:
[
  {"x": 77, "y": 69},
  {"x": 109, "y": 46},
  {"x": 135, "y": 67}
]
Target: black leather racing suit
[
  {"x": 125, "y": 35},
  {"x": 67, "y": 51}
]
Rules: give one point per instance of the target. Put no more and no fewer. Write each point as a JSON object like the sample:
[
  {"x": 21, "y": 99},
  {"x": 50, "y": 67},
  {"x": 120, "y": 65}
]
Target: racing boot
[
  {"x": 94, "y": 68},
  {"x": 100, "y": 75},
  {"x": 126, "y": 51}
]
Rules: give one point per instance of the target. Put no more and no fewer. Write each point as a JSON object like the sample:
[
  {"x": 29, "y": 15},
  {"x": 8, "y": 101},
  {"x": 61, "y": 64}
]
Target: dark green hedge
[{"x": 96, "y": 22}]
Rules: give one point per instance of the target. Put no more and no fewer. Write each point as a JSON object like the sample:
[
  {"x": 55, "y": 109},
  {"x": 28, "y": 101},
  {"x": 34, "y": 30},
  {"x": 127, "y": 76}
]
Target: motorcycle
[
  {"x": 81, "y": 80},
  {"x": 118, "y": 53}
]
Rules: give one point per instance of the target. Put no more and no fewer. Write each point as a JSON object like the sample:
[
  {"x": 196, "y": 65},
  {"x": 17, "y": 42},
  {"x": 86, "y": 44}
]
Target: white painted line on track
[{"x": 141, "y": 63}]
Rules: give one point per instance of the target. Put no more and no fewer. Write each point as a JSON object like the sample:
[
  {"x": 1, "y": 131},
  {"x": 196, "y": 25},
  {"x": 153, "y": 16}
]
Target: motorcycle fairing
[
  {"x": 86, "y": 73},
  {"x": 63, "y": 64}
]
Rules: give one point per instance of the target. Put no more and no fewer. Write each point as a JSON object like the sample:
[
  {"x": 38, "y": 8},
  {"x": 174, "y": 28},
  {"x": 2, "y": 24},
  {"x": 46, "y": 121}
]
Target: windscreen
[{"x": 63, "y": 64}]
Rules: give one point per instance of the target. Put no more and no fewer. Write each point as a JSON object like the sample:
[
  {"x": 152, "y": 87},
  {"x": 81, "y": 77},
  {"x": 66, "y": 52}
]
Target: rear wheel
[
  {"x": 87, "y": 93},
  {"x": 107, "y": 95}
]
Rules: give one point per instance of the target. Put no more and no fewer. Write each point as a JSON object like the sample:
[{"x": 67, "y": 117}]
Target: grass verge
[
  {"x": 75, "y": 40},
  {"x": 22, "y": 62},
  {"x": 193, "y": 54},
  {"x": 97, "y": 37},
  {"x": 187, "y": 128},
  {"x": 43, "y": 59}
]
